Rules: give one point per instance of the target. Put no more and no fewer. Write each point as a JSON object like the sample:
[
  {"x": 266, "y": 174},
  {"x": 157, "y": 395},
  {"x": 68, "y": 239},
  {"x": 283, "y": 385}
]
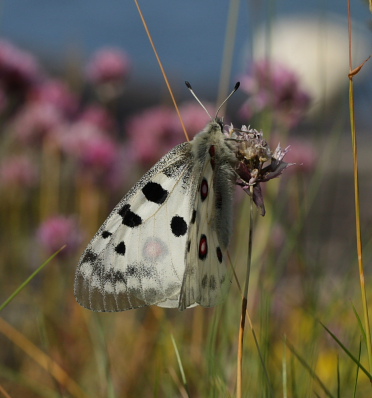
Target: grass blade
[
  {"x": 180, "y": 364},
  {"x": 357, "y": 370},
  {"x": 309, "y": 369},
  {"x": 29, "y": 279},
  {"x": 365, "y": 371}
]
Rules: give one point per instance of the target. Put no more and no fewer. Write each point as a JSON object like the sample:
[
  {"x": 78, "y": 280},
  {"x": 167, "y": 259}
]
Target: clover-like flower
[{"x": 252, "y": 152}]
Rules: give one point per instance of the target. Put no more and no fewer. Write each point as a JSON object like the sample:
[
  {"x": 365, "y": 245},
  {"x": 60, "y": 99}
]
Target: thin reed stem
[
  {"x": 244, "y": 302},
  {"x": 228, "y": 52},
  {"x": 357, "y": 198},
  {"x": 161, "y": 68}
]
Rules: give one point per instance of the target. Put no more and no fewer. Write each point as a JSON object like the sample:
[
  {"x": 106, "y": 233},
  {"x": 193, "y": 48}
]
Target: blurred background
[{"x": 85, "y": 112}]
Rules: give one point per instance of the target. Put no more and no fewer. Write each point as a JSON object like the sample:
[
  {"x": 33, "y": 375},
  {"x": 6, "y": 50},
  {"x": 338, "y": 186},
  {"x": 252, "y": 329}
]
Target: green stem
[{"x": 28, "y": 280}]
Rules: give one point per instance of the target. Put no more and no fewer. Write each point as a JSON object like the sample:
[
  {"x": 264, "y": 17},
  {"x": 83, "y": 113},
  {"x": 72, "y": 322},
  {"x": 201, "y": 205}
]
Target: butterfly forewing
[{"x": 135, "y": 258}]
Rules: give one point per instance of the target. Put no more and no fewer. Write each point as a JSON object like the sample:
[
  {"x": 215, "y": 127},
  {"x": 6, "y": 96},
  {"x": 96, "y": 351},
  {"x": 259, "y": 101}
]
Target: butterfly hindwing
[
  {"x": 210, "y": 226},
  {"x": 135, "y": 258}
]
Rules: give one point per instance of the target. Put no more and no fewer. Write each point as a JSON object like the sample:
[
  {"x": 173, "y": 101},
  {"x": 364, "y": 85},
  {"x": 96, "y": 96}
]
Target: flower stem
[
  {"x": 357, "y": 201},
  {"x": 244, "y": 302}
]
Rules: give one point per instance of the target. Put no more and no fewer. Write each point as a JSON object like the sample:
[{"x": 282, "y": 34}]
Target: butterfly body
[{"x": 165, "y": 242}]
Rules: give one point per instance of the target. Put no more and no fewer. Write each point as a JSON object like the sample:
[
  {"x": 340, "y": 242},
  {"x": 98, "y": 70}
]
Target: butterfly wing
[
  {"x": 135, "y": 258},
  {"x": 210, "y": 226}
]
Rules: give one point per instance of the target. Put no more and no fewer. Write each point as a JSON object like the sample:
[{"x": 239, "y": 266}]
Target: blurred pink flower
[
  {"x": 76, "y": 136},
  {"x": 58, "y": 231},
  {"x": 99, "y": 117},
  {"x": 99, "y": 153},
  {"x": 18, "y": 68},
  {"x": 304, "y": 156},
  {"x": 108, "y": 65},
  {"x": 18, "y": 171},
  {"x": 275, "y": 88},
  {"x": 195, "y": 117},
  {"x": 36, "y": 121},
  {"x": 96, "y": 153},
  {"x": 57, "y": 93},
  {"x": 153, "y": 133}
]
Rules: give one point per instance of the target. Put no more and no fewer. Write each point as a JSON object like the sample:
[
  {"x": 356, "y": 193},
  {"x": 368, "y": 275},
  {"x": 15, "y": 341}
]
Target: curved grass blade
[
  {"x": 309, "y": 369},
  {"x": 357, "y": 362},
  {"x": 28, "y": 280}
]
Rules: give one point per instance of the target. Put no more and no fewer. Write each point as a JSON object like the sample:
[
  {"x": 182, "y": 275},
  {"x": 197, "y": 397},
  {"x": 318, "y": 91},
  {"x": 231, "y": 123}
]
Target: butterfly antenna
[
  {"x": 188, "y": 85},
  {"x": 232, "y": 92}
]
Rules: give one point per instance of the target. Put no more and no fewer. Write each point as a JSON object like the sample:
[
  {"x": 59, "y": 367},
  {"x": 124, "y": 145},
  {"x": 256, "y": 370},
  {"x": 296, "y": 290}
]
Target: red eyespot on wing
[
  {"x": 203, "y": 247},
  {"x": 204, "y": 189}
]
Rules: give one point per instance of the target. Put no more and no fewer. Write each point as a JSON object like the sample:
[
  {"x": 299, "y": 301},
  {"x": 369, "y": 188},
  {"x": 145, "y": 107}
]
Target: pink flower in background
[
  {"x": 36, "y": 121},
  {"x": 57, "y": 93},
  {"x": 273, "y": 87},
  {"x": 18, "y": 171},
  {"x": 76, "y": 136},
  {"x": 304, "y": 156},
  {"x": 58, "y": 231},
  {"x": 195, "y": 117},
  {"x": 108, "y": 65},
  {"x": 96, "y": 153},
  {"x": 18, "y": 69},
  {"x": 152, "y": 134},
  {"x": 100, "y": 153},
  {"x": 99, "y": 117}
]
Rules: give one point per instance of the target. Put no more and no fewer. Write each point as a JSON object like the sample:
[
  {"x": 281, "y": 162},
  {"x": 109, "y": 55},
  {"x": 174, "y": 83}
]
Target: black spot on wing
[
  {"x": 174, "y": 168},
  {"x": 120, "y": 248},
  {"x": 106, "y": 234},
  {"x": 89, "y": 257},
  {"x": 130, "y": 219},
  {"x": 178, "y": 226},
  {"x": 212, "y": 283},
  {"x": 193, "y": 218},
  {"x": 118, "y": 276},
  {"x": 204, "y": 281},
  {"x": 154, "y": 192},
  {"x": 219, "y": 254}
]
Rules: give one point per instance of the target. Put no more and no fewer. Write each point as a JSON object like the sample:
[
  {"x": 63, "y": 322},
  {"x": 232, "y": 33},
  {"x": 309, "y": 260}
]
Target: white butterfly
[{"x": 165, "y": 242}]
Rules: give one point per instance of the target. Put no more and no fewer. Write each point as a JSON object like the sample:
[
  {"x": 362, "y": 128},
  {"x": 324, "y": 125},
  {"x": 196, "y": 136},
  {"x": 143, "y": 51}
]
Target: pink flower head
[
  {"x": 18, "y": 171},
  {"x": 255, "y": 162},
  {"x": 99, "y": 117},
  {"x": 96, "y": 153},
  {"x": 108, "y": 65},
  {"x": 18, "y": 69},
  {"x": 58, "y": 231},
  {"x": 152, "y": 134},
  {"x": 100, "y": 153},
  {"x": 276, "y": 88},
  {"x": 36, "y": 121},
  {"x": 55, "y": 92}
]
